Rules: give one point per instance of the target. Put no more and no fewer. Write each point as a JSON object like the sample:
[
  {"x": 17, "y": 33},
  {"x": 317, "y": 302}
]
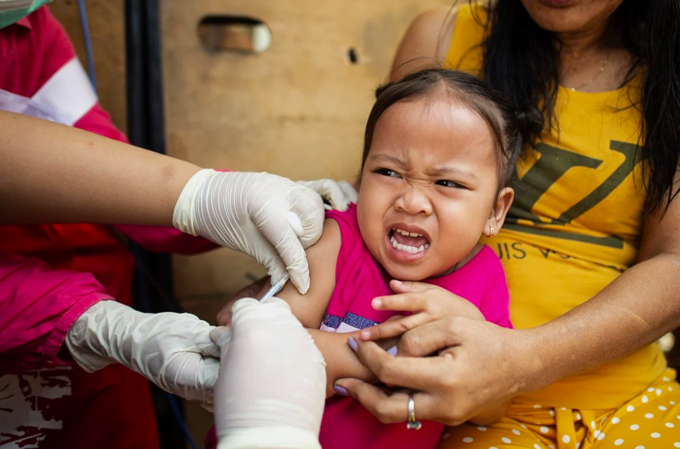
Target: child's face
[{"x": 428, "y": 188}]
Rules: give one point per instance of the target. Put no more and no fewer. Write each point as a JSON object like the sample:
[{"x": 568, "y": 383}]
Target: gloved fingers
[
  {"x": 221, "y": 335},
  {"x": 308, "y": 206},
  {"x": 350, "y": 192},
  {"x": 190, "y": 376},
  {"x": 251, "y": 309},
  {"x": 286, "y": 256}
]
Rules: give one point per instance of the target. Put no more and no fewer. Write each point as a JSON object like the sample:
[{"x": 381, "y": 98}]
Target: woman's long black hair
[{"x": 521, "y": 60}]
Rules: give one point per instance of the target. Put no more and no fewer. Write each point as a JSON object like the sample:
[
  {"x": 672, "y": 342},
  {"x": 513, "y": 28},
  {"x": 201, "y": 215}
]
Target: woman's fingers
[
  {"x": 389, "y": 406},
  {"x": 431, "y": 337},
  {"x": 408, "y": 286},
  {"x": 407, "y": 372}
]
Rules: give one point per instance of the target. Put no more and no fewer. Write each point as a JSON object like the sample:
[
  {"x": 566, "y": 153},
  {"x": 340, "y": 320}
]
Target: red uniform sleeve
[
  {"x": 495, "y": 303},
  {"x": 39, "y": 305}
]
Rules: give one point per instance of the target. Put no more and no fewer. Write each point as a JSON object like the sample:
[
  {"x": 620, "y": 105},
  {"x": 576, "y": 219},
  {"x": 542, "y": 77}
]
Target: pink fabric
[
  {"x": 39, "y": 305},
  {"x": 359, "y": 279}
]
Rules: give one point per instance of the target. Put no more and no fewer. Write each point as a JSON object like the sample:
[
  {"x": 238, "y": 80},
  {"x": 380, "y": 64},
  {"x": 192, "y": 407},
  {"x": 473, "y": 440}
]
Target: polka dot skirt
[{"x": 649, "y": 421}]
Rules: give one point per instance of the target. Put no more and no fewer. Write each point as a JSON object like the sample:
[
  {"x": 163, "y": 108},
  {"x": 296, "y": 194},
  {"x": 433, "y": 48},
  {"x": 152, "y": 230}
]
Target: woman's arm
[
  {"x": 425, "y": 43},
  {"x": 104, "y": 181}
]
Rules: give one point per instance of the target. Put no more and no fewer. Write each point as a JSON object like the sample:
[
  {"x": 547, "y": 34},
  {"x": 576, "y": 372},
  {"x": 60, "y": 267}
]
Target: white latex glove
[
  {"x": 337, "y": 195},
  {"x": 172, "y": 350},
  {"x": 272, "y": 386},
  {"x": 266, "y": 216}
]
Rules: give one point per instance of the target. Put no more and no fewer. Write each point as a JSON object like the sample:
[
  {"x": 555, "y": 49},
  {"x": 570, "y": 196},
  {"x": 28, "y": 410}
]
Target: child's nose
[{"x": 414, "y": 201}]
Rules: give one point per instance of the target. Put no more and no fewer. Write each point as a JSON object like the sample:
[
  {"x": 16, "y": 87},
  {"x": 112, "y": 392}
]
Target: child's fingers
[
  {"x": 408, "y": 302},
  {"x": 394, "y": 328},
  {"x": 409, "y": 286}
]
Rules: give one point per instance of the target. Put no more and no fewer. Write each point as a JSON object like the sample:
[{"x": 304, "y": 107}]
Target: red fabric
[{"x": 110, "y": 408}]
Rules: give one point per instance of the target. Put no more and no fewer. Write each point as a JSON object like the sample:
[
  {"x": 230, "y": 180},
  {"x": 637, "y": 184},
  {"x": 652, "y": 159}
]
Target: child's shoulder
[{"x": 346, "y": 225}]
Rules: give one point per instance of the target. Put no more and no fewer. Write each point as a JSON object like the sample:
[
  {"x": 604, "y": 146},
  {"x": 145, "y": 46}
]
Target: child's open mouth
[{"x": 406, "y": 239}]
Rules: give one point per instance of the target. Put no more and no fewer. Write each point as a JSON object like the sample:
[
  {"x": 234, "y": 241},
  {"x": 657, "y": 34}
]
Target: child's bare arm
[{"x": 341, "y": 362}]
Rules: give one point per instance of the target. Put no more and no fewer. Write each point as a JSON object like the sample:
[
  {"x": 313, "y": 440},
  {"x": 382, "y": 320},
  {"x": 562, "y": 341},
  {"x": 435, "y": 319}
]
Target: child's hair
[{"x": 474, "y": 92}]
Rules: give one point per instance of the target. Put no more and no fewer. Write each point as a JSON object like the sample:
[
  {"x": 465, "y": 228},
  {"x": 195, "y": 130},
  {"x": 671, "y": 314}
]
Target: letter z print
[{"x": 546, "y": 171}]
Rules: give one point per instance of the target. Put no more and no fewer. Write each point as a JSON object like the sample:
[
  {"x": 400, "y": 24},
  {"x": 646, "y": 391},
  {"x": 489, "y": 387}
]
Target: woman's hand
[
  {"x": 265, "y": 216},
  {"x": 478, "y": 366},
  {"x": 172, "y": 350},
  {"x": 272, "y": 382},
  {"x": 427, "y": 303}
]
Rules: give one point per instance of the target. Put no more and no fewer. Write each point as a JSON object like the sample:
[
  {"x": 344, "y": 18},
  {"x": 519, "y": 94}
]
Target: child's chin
[{"x": 407, "y": 273}]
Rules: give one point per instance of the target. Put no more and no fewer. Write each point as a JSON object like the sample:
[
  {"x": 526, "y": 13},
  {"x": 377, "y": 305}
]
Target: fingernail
[
  {"x": 365, "y": 335},
  {"x": 340, "y": 390},
  {"x": 353, "y": 344},
  {"x": 393, "y": 351},
  {"x": 376, "y": 303}
]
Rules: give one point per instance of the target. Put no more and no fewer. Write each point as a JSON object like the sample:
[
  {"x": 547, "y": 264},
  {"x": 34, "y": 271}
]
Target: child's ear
[{"x": 500, "y": 209}]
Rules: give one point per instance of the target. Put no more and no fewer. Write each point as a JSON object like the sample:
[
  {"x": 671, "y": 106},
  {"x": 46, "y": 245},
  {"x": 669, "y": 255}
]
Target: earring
[{"x": 492, "y": 232}]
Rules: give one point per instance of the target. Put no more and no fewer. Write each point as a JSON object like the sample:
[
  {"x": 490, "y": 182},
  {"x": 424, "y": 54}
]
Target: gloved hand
[
  {"x": 172, "y": 350},
  {"x": 265, "y": 216},
  {"x": 336, "y": 195},
  {"x": 272, "y": 387}
]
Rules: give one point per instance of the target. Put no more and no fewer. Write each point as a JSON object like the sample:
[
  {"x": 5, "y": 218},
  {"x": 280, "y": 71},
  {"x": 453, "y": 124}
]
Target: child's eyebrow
[
  {"x": 387, "y": 158},
  {"x": 444, "y": 170}
]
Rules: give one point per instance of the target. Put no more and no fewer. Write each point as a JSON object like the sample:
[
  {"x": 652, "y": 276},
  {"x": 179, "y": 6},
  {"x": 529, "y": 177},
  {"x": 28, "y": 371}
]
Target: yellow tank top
[{"x": 575, "y": 223}]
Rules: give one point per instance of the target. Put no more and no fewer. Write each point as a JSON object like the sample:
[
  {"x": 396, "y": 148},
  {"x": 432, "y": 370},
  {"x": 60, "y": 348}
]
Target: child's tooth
[
  {"x": 427, "y": 245},
  {"x": 422, "y": 248},
  {"x": 394, "y": 242}
]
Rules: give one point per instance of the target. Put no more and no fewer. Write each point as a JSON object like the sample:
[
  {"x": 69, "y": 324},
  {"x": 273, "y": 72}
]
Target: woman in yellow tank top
[{"x": 591, "y": 246}]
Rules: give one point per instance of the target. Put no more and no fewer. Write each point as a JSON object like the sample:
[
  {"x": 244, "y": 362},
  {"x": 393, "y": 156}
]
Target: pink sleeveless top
[{"x": 359, "y": 279}]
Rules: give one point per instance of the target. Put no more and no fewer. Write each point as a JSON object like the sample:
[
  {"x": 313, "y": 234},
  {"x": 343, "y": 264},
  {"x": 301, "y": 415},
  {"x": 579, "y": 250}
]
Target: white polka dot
[
  {"x": 544, "y": 429},
  {"x": 593, "y": 425},
  {"x": 650, "y": 389},
  {"x": 672, "y": 402},
  {"x": 670, "y": 388},
  {"x": 537, "y": 406},
  {"x": 661, "y": 407},
  {"x": 493, "y": 447},
  {"x": 552, "y": 412},
  {"x": 506, "y": 440},
  {"x": 578, "y": 445},
  {"x": 523, "y": 426},
  {"x": 467, "y": 440},
  {"x": 666, "y": 379},
  {"x": 634, "y": 427},
  {"x": 676, "y": 444},
  {"x": 563, "y": 408},
  {"x": 600, "y": 436},
  {"x": 645, "y": 399},
  {"x": 658, "y": 391},
  {"x": 597, "y": 433},
  {"x": 550, "y": 446},
  {"x": 566, "y": 438},
  {"x": 515, "y": 431},
  {"x": 639, "y": 447},
  {"x": 649, "y": 416},
  {"x": 536, "y": 446},
  {"x": 578, "y": 416},
  {"x": 678, "y": 416},
  {"x": 656, "y": 435},
  {"x": 615, "y": 420},
  {"x": 670, "y": 425},
  {"x": 618, "y": 442},
  {"x": 630, "y": 408},
  {"x": 481, "y": 428}
]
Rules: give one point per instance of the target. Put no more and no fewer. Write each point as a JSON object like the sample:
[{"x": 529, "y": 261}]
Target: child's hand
[{"x": 427, "y": 302}]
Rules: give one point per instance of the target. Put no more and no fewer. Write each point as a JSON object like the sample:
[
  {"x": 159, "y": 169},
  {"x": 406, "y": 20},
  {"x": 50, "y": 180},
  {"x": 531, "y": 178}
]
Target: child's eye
[
  {"x": 387, "y": 172},
  {"x": 451, "y": 184}
]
